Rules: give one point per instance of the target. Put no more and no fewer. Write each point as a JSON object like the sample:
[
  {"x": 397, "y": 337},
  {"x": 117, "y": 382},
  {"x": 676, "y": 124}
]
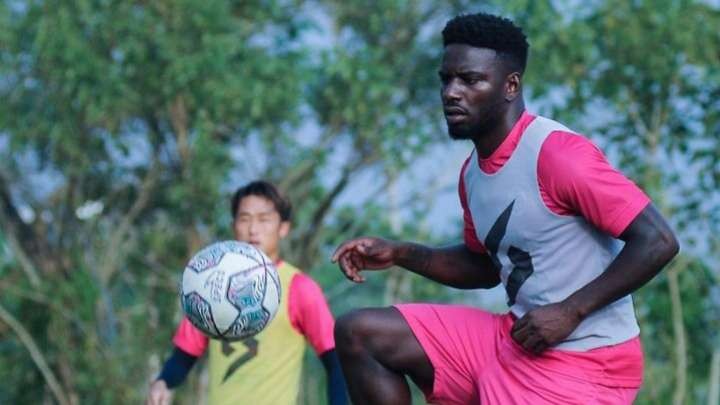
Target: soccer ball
[{"x": 230, "y": 290}]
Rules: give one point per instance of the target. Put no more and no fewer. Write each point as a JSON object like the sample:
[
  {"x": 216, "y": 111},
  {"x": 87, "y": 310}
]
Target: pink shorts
[{"x": 477, "y": 362}]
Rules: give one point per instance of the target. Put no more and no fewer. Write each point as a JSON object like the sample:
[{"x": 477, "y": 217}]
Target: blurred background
[{"x": 126, "y": 125}]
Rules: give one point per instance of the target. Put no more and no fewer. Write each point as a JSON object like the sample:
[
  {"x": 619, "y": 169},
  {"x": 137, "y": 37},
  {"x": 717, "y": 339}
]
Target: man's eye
[{"x": 471, "y": 80}]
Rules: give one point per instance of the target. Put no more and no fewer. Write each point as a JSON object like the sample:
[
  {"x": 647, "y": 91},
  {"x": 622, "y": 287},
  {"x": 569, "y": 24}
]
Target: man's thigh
[
  {"x": 554, "y": 377},
  {"x": 459, "y": 342}
]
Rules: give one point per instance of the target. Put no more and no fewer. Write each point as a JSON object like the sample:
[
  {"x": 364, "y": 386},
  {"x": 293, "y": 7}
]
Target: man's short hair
[
  {"x": 489, "y": 31},
  {"x": 261, "y": 188}
]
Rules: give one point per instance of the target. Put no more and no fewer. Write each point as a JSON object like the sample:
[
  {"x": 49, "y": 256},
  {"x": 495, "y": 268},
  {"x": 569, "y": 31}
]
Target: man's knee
[
  {"x": 384, "y": 335},
  {"x": 360, "y": 330}
]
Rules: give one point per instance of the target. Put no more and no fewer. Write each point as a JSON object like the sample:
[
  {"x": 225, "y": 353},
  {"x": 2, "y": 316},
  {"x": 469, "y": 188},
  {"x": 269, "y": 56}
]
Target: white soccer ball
[{"x": 230, "y": 290}]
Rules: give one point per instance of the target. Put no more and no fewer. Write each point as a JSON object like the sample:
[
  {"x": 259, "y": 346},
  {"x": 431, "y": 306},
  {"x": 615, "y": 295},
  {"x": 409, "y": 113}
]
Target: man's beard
[{"x": 488, "y": 119}]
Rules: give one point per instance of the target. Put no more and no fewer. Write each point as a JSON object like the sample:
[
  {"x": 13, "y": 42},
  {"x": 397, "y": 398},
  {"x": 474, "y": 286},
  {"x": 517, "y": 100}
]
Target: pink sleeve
[
  {"x": 469, "y": 234},
  {"x": 310, "y": 314},
  {"x": 189, "y": 339},
  {"x": 575, "y": 178}
]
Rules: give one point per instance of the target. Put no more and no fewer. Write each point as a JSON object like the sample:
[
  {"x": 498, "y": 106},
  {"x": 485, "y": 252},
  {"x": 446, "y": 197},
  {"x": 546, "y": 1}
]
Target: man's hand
[
  {"x": 545, "y": 326},
  {"x": 159, "y": 394},
  {"x": 364, "y": 254}
]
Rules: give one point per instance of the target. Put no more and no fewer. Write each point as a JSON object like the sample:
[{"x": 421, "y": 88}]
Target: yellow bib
[{"x": 264, "y": 369}]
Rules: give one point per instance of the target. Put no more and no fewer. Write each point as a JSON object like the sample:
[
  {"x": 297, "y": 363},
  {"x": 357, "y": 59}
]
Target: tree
[
  {"x": 118, "y": 124},
  {"x": 126, "y": 125}
]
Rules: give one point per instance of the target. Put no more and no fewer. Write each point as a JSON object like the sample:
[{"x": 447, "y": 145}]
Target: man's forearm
[
  {"x": 336, "y": 388},
  {"x": 177, "y": 367},
  {"x": 455, "y": 266},
  {"x": 649, "y": 246}
]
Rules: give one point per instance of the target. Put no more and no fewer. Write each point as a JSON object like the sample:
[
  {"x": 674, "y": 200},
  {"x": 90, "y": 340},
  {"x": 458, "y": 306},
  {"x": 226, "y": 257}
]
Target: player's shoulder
[
  {"x": 303, "y": 279},
  {"x": 565, "y": 148},
  {"x": 296, "y": 275},
  {"x": 286, "y": 267},
  {"x": 302, "y": 282},
  {"x": 560, "y": 138}
]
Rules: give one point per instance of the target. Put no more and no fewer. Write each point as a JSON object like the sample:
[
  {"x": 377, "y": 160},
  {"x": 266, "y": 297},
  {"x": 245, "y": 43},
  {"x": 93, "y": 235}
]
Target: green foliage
[
  {"x": 125, "y": 127},
  {"x": 132, "y": 107}
]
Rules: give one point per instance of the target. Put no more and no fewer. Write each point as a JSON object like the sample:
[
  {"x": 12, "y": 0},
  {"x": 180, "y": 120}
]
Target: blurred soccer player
[
  {"x": 266, "y": 368},
  {"x": 546, "y": 216}
]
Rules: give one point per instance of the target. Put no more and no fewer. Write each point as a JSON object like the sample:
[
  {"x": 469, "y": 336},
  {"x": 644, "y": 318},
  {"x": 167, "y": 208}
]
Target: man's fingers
[
  {"x": 357, "y": 265},
  {"x": 345, "y": 266},
  {"x": 531, "y": 342},
  {"x": 536, "y": 344},
  {"x": 529, "y": 339},
  {"x": 363, "y": 248},
  {"x": 350, "y": 256},
  {"x": 349, "y": 269},
  {"x": 360, "y": 245},
  {"x": 340, "y": 251},
  {"x": 346, "y": 247},
  {"x": 356, "y": 261},
  {"x": 520, "y": 329},
  {"x": 539, "y": 347},
  {"x": 521, "y": 337}
]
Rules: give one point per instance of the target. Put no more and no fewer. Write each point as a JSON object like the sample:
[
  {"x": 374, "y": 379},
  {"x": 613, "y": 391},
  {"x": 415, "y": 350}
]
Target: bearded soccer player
[
  {"x": 568, "y": 236},
  {"x": 263, "y": 369}
]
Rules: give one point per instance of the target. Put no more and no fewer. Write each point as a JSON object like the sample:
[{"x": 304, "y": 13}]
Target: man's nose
[
  {"x": 253, "y": 227},
  {"x": 450, "y": 91}
]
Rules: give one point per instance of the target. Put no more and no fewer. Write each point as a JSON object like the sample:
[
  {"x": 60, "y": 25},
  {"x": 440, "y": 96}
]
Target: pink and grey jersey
[{"x": 547, "y": 207}]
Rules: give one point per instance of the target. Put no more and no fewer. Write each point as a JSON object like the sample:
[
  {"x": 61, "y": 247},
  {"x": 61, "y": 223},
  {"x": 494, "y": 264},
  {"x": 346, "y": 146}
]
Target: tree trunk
[
  {"x": 714, "y": 383},
  {"x": 653, "y": 180},
  {"x": 397, "y": 285},
  {"x": 679, "y": 337},
  {"x": 26, "y": 339}
]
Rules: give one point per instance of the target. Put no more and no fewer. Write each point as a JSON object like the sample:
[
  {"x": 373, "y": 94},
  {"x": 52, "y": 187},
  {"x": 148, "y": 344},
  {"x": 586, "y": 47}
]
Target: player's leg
[{"x": 377, "y": 349}]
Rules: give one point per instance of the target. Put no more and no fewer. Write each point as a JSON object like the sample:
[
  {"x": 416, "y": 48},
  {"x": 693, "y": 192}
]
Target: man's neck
[
  {"x": 274, "y": 257},
  {"x": 488, "y": 142}
]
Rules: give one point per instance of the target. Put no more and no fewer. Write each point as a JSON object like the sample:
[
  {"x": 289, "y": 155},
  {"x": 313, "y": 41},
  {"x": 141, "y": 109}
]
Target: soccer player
[
  {"x": 263, "y": 369},
  {"x": 567, "y": 235}
]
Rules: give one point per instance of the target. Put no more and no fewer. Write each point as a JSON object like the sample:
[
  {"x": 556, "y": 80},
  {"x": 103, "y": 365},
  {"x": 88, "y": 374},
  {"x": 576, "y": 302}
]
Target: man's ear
[
  {"x": 513, "y": 85},
  {"x": 284, "y": 229}
]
